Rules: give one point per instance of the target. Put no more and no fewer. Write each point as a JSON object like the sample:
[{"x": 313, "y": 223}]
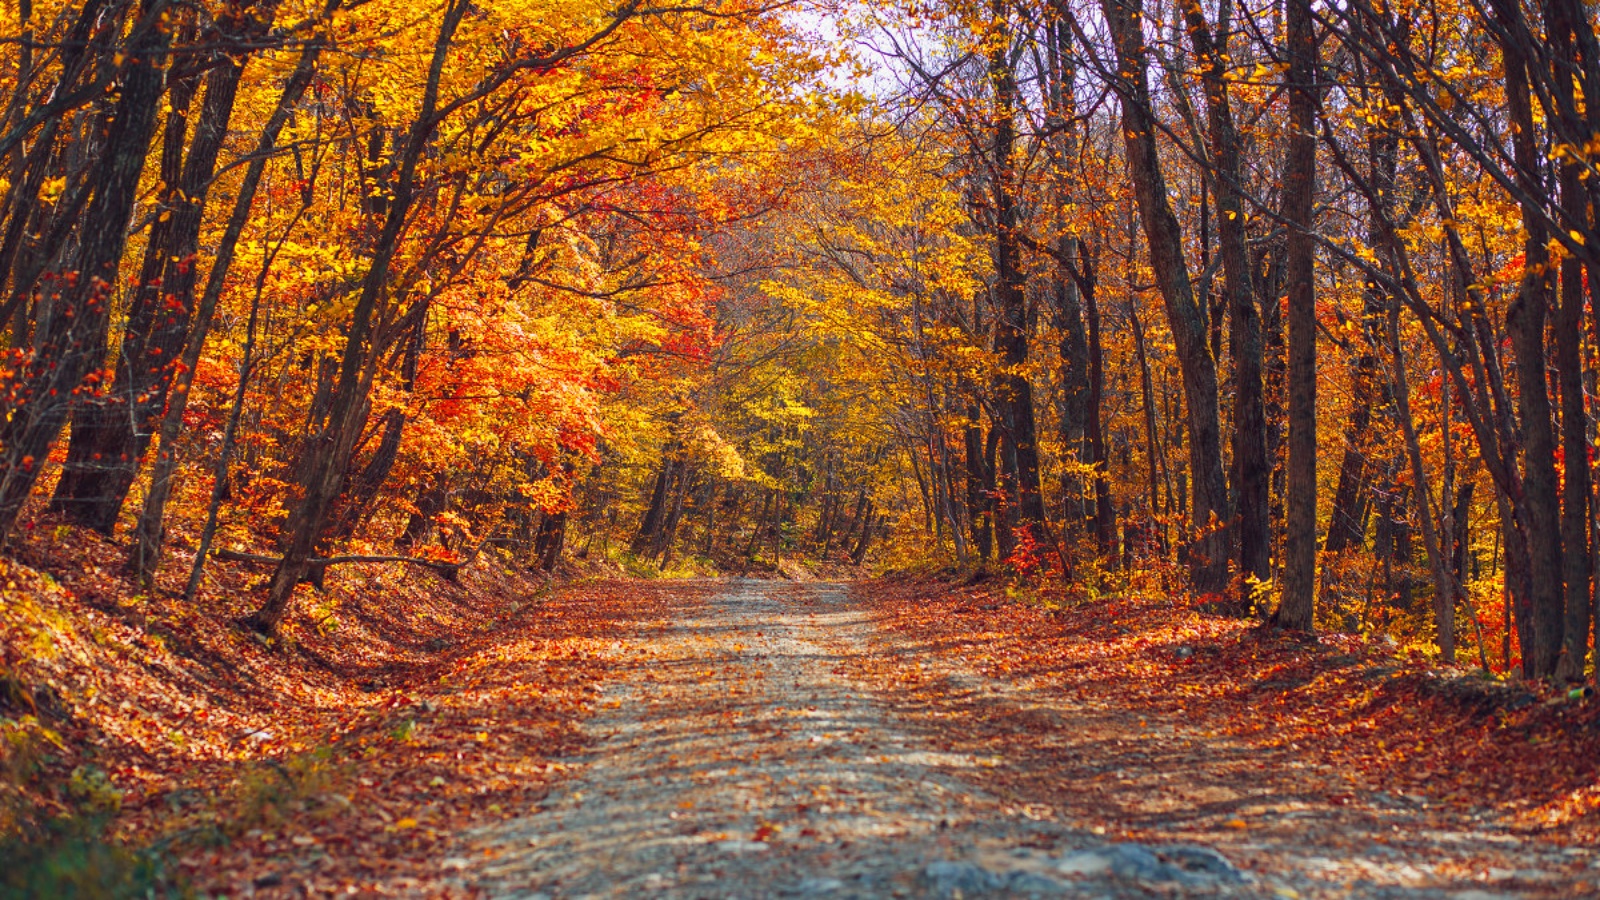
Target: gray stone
[
  {"x": 947, "y": 877},
  {"x": 1136, "y": 862},
  {"x": 1186, "y": 864},
  {"x": 1032, "y": 884},
  {"x": 816, "y": 886},
  {"x": 1205, "y": 862},
  {"x": 1084, "y": 862}
]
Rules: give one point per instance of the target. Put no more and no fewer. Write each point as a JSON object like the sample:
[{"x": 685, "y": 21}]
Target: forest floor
[{"x": 750, "y": 738}]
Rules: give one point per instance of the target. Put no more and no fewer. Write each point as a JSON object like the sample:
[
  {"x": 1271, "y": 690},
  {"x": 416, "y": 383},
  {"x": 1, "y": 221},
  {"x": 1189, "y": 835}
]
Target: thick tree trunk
[
  {"x": 1525, "y": 322},
  {"x": 864, "y": 542},
  {"x": 549, "y": 541},
  {"x": 1014, "y": 394},
  {"x": 1067, "y": 316},
  {"x": 95, "y": 449},
  {"x": 1574, "y": 444},
  {"x": 980, "y": 488},
  {"x": 1296, "y": 610},
  {"x": 109, "y": 439},
  {"x": 669, "y": 528},
  {"x": 648, "y": 538},
  {"x": 1347, "y": 523},
  {"x": 1462, "y": 539},
  {"x": 72, "y": 332}
]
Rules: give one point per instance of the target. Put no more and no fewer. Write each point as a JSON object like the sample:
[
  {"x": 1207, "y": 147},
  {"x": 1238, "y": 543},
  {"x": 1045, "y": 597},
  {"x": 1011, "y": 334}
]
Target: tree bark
[
  {"x": 1297, "y": 609},
  {"x": 551, "y": 537},
  {"x": 980, "y": 487},
  {"x": 1105, "y": 523},
  {"x": 328, "y": 451},
  {"x": 1014, "y": 393},
  {"x": 1525, "y": 322}
]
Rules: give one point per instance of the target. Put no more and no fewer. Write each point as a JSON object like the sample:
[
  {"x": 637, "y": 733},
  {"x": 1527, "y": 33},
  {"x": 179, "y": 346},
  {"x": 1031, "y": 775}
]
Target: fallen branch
[{"x": 240, "y": 556}]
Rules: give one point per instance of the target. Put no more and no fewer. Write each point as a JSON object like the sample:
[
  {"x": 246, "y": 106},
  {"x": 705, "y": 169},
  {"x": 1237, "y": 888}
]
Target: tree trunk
[
  {"x": 328, "y": 451},
  {"x": 1347, "y": 525},
  {"x": 433, "y": 496},
  {"x": 1151, "y": 427},
  {"x": 980, "y": 488},
  {"x": 72, "y": 332},
  {"x": 95, "y": 449},
  {"x": 146, "y": 553},
  {"x": 648, "y": 537},
  {"x": 1209, "y": 553},
  {"x": 1105, "y": 524},
  {"x": 859, "y": 554},
  {"x": 104, "y": 454},
  {"x": 1444, "y": 587},
  {"x": 1072, "y": 348},
  {"x": 1576, "y": 488},
  {"x": 1014, "y": 395},
  {"x": 551, "y": 537},
  {"x": 1525, "y": 322},
  {"x": 1296, "y": 610},
  {"x": 1251, "y": 470}
]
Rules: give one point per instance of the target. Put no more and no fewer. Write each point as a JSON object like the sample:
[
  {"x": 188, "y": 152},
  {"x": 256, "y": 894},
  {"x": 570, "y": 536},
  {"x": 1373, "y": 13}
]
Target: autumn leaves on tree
[
  {"x": 1245, "y": 296},
  {"x": 427, "y": 238}
]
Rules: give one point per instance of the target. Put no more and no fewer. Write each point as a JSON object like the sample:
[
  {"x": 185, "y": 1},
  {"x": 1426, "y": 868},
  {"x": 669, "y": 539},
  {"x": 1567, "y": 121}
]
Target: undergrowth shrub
[
  {"x": 71, "y": 859},
  {"x": 272, "y": 793}
]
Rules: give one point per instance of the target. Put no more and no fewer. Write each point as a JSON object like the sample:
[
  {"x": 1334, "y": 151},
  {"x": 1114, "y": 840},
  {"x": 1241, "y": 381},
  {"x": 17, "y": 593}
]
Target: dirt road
[{"x": 748, "y": 755}]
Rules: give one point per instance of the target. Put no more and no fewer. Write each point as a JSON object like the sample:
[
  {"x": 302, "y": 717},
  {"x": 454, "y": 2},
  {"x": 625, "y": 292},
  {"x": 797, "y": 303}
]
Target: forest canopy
[{"x": 1281, "y": 306}]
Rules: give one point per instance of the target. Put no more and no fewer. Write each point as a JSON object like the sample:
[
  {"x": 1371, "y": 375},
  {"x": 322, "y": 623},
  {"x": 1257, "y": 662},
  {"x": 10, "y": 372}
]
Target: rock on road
[{"x": 742, "y": 759}]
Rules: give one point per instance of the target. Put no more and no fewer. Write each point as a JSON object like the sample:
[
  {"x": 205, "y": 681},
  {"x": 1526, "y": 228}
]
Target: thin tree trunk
[
  {"x": 1444, "y": 587},
  {"x": 146, "y": 554},
  {"x": 1104, "y": 516},
  {"x": 328, "y": 452},
  {"x": 1209, "y": 553},
  {"x": 225, "y": 452}
]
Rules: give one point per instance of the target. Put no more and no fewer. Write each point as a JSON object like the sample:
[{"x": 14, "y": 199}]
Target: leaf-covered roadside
[
  {"x": 404, "y": 711},
  {"x": 1343, "y": 717}
]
